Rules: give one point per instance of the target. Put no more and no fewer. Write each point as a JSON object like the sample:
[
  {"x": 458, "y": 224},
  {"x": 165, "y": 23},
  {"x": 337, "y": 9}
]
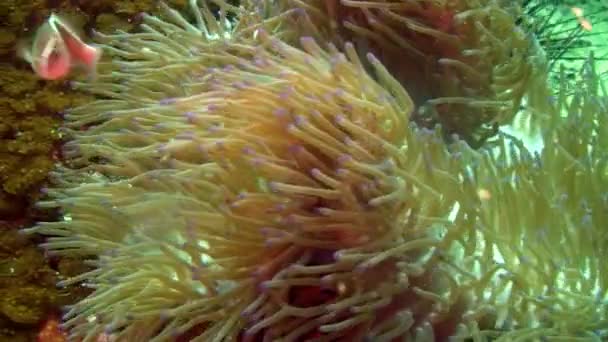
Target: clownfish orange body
[{"x": 57, "y": 48}]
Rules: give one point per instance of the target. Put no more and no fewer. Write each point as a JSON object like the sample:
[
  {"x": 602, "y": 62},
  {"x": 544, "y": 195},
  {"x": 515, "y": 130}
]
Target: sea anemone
[
  {"x": 467, "y": 64},
  {"x": 233, "y": 183},
  {"x": 219, "y": 182},
  {"x": 541, "y": 226}
]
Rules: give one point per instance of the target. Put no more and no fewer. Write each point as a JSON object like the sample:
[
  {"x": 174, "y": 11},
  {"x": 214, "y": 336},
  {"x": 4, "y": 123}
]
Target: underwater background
[{"x": 32, "y": 148}]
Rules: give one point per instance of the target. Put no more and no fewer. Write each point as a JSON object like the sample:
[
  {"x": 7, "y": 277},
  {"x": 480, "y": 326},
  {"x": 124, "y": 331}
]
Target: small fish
[
  {"x": 584, "y": 22},
  {"x": 57, "y": 48}
]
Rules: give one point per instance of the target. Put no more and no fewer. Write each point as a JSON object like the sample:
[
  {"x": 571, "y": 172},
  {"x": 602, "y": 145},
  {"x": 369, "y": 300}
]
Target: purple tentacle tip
[
  {"x": 248, "y": 150},
  {"x": 306, "y": 39},
  {"x": 190, "y": 116},
  {"x": 344, "y": 158},
  {"x": 296, "y": 148},
  {"x": 300, "y": 11},
  {"x": 280, "y": 112},
  {"x": 371, "y": 58},
  {"x": 300, "y": 120},
  {"x": 167, "y": 101},
  {"x": 340, "y": 119},
  {"x": 272, "y": 186}
]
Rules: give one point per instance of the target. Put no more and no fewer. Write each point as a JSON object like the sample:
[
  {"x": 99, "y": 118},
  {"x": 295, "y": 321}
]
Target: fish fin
[
  {"x": 72, "y": 21},
  {"x": 23, "y": 50},
  {"x": 65, "y": 28},
  {"x": 80, "y": 51}
]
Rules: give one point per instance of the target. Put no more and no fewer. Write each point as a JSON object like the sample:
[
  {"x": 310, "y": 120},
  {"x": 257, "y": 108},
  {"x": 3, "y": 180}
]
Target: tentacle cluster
[
  {"x": 467, "y": 64},
  {"x": 219, "y": 183}
]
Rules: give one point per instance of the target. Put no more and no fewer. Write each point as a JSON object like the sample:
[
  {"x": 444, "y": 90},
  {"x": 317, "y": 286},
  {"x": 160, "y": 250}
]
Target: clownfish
[{"x": 56, "y": 49}]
